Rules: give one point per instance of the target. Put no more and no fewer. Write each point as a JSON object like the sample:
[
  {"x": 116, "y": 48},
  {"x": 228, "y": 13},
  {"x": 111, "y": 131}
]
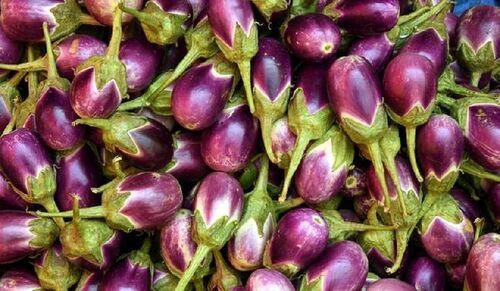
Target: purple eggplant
[
  {"x": 323, "y": 170},
  {"x": 103, "y": 10},
  {"x": 218, "y": 207},
  {"x": 22, "y": 19},
  {"x": 225, "y": 277},
  {"x": 309, "y": 115},
  {"x": 163, "y": 280},
  {"x": 141, "y": 60},
  {"x": 272, "y": 77},
  {"x": 235, "y": 33},
  {"x": 8, "y": 95},
  {"x": 100, "y": 82},
  {"x": 265, "y": 279},
  {"x": 132, "y": 272},
  {"x": 167, "y": 121},
  {"x": 162, "y": 21},
  {"x": 10, "y": 51},
  {"x": 494, "y": 201},
  {"x": 237, "y": 130},
  {"x": 19, "y": 279},
  {"x": 440, "y": 147},
  {"x": 364, "y": 18},
  {"x": 478, "y": 40},
  {"x": 89, "y": 281},
  {"x": 283, "y": 142},
  {"x": 9, "y": 200},
  {"x": 451, "y": 23},
  {"x": 143, "y": 142},
  {"x": 379, "y": 248},
  {"x": 390, "y": 285},
  {"x": 24, "y": 234},
  {"x": 346, "y": 258},
  {"x": 376, "y": 49},
  {"x": 200, "y": 94},
  {"x": 312, "y": 37},
  {"x": 301, "y": 235},
  {"x": 178, "y": 247},
  {"x": 355, "y": 184},
  {"x": 362, "y": 204},
  {"x": 446, "y": 233},
  {"x": 55, "y": 272},
  {"x": 456, "y": 274},
  {"x": 425, "y": 274},
  {"x": 482, "y": 264},
  {"x": 187, "y": 164},
  {"x": 470, "y": 207},
  {"x": 410, "y": 84}
]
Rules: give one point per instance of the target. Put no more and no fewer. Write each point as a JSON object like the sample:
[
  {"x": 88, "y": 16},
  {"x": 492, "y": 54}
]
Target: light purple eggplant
[
  {"x": 8, "y": 95},
  {"x": 312, "y": 37},
  {"x": 410, "y": 85},
  {"x": 355, "y": 184},
  {"x": 235, "y": 33},
  {"x": 103, "y": 10},
  {"x": 470, "y": 207},
  {"x": 187, "y": 164},
  {"x": 364, "y": 18},
  {"x": 440, "y": 148},
  {"x": 265, "y": 279},
  {"x": 346, "y": 258},
  {"x": 478, "y": 40},
  {"x": 218, "y": 207},
  {"x": 142, "y": 201},
  {"x": 309, "y": 116},
  {"x": 24, "y": 234},
  {"x": 494, "y": 201},
  {"x": 142, "y": 142},
  {"x": 300, "y": 237},
  {"x": 141, "y": 60},
  {"x": 225, "y": 277},
  {"x": 237, "y": 130},
  {"x": 451, "y": 23},
  {"x": 283, "y": 142},
  {"x": 19, "y": 279},
  {"x": 390, "y": 284},
  {"x": 22, "y": 19},
  {"x": 9, "y": 200},
  {"x": 199, "y": 96},
  {"x": 132, "y": 272},
  {"x": 100, "y": 82},
  {"x": 456, "y": 274},
  {"x": 162, "y": 21},
  {"x": 445, "y": 232},
  {"x": 376, "y": 49},
  {"x": 425, "y": 274},
  {"x": 54, "y": 272},
  {"x": 10, "y": 51},
  {"x": 89, "y": 281},
  {"x": 323, "y": 169},
  {"x": 272, "y": 78},
  {"x": 482, "y": 264}
]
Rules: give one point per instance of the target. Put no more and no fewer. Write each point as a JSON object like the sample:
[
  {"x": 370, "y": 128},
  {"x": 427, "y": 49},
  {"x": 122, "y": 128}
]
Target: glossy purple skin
[
  {"x": 494, "y": 201},
  {"x": 173, "y": 55},
  {"x": 354, "y": 90},
  {"x": 188, "y": 162},
  {"x": 23, "y": 155},
  {"x": 141, "y": 60},
  {"x": 283, "y": 138},
  {"x": 426, "y": 274},
  {"x": 376, "y": 49},
  {"x": 300, "y": 237},
  {"x": 470, "y": 207},
  {"x": 265, "y": 279},
  {"x": 440, "y": 145},
  {"x": 110, "y": 251},
  {"x": 167, "y": 121},
  {"x": 229, "y": 144},
  {"x": 390, "y": 285},
  {"x": 91, "y": 283},
  {"x": 10, "y": 51},
  {"x": 379, "y": 262},
  {"x": 409, "y": 81},
  {"x": 90, "y": 102},
  {"x": 355, "y": 184},
  {"x": 5, "y": 112},
  {"x": 176, "y": 7},
  {"x": 364, "y": 18},
  {"x": 198, "y": 7},
  {"x": 77, "y": 173},
  {"x": 74, "y": 50},
  {"x": 22, "y": 19},
  {"x": 54, "y": 119},
  {"x": 102, "y": 10},
  {"x": 8, "y": 198},
  {"x": 483, "y": 263},
  {"x": 462, "y": 76},
  {"x": 226, "y": 15},
  {"x": 346, "y": 258},
  {"x": 154, "y": 198},
  {"x": 176, "y": 243},
  {"x": 199, "y": 96},
  {"x": 312, "y": 37},
  {"x": 19, "y": 279},
  {"x": 482, "y": 134},
  {"x": 428, "y": 43},
  {"x": 456, "y": 274},
  {"x": 362, "y": 204},
  {"x": 311, "y": 79},
  {"x": 126, "y": 275},
  {"x": 451, "y": 22},
  {"x": 271, "y": 68},
  {"x": 219, "y": 195}
]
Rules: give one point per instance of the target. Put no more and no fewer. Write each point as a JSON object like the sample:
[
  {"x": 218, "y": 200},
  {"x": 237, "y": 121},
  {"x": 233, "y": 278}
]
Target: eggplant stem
[
  {"x": 200, "y": 254},
  {"x": 89, "y": 212},
  {"x": 288, "y": 204},
  {"x": 116, "y": 35},
  {"x": 36, "y": 65},
  {"x": 136, "y": 103},
  {"x": 51, "y": 62},
  {"x": 374, "y": 149},
  {"x": 479, "y": 223},
  {"x": 393, "y": 173},
  {"x": 446, "y": 101},
  {"x": 475, "y": 78},
  {"x": 244, "y": 67},
  {"x": 301, "y": 145},
  {"x": 410, "y": 143},
  {"x": 12, "y": 122},
  {"x": 89, "y": 20},
  {"x": 261, "y": 184},
  {"x": 198, "y": 285},
  {"x": 472, "y": 168},
  {"x": 266, "y": 125},
  {"x": 50, "y": 205},
  {"x": 93, "y": 122},
  {"x": 16, "y": 79}
]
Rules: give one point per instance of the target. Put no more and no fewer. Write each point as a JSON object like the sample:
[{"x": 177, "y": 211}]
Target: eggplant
[
  {"x": 265, "y": 279},
  {"x": 9, "y": 200},
  {"x": 11, "y": 51},
  {"x": 225, "y": 277},
  {"x": 355, "y": 184},
  {"x": 19, "y": 279},
  {"x": 470, "y": 207},
  {"x": 283, "y": 142},
  {"x": 89, "y": 281},
  {"x": 390, "y": 284},
  {"x": 103, "y": 10},
  {"x": 425, "y": 274},
  {"x": 376, "y": 49},
  {"x": 8, "y": 96},
  {"x": 482, "y": 262},
  {"x": 494, "y": 202}
]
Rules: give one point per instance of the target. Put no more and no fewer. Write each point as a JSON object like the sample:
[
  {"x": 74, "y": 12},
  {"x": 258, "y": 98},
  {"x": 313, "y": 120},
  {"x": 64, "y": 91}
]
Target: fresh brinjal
[
  {"x": 482, "y": 264},
  {"x": 265, "y": 279},
  {"x": 283, "y": 142},
  {"x": 225, "y": 277},
  {"x": 10, "y": 51},
  {"x": 103, "y": 10},
  {"x": 19, "y": 279},
  {"x": 9, "y": 200},
  {"x": 425, "y": 274}
]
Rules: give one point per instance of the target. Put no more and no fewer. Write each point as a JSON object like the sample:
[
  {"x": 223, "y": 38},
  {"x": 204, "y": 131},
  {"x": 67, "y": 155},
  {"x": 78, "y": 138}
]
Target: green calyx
[
  {"x": 53, "y": 79},
  {"x": 268, "y": 7},
  {"x": 45, "y": 233},
  {"x": 361, "y": 133},
  {"x": 444, "y": 183},
  {"x": 65, "y": 15},
  {"x": 477, "y": 61},
  {"x": 42, "y": 187},
  {"x": 460, "y": 108},
  {"x": 447, "y": 85},
  {"x": 225, "y": 277},
  {"x": 56, "y": 272},
  {"x": 112, "y": 202},
  {"x": 215, "y": 236},
  {"x": 8, "y": 90},
  {"x": 444, "y": 207},
  {"x": 141, "y": 256},
  {"x": 382, "y": 241}
]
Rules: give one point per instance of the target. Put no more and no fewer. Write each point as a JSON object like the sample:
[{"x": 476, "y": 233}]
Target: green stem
[
  {"x": 300, "y": 147},
  {"x": 474, "y": 79},
  {"x": 94, "y": 122},
  {"x": 143, "y": 17},
  {"x": 36, "y": 65},
  {"x": 266, "y": 125},
  {"x": 244, "y": 67},
  {"x": 12, "y": 122},
  {"x": 116, "y": 36},
  {"x": 89, "y": 212},
  {"x": 51, "y": 62},
  {"x": 352, "y": 226},
  {"x": 191, "y": 56},
  {"x": 50, "y": 205},
  {"x": 474, "y": 169},
  {"x": 446, "y": 101},
  {"x": 16, "y": 79},
  {"x": 460, "y": 90},
  {"x": 410, "y": 143},
  {"x": 88, "y": 20},
  {"x": 376, "y": 158},
  {"x": 402, "y": 237},
  {"x": 136, "y": 103},
  {"x": 479, "y": 223},
  {"x": 390, "y": 165},
  {"x": 198, "y": 285},
  {"x": 201, "y": 252},
  {"x": 281, "y": 207}
]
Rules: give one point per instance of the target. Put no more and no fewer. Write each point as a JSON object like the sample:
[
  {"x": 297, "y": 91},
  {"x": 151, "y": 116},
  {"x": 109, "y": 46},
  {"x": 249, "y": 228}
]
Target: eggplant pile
[{"x": 231, "y": 145}]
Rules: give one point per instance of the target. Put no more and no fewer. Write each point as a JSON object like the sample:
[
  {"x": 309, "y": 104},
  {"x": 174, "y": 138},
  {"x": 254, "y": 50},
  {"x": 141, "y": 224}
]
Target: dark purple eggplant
[
  {"x": 425, "y": 274},
  {"x": 470, "y": 207},
  {"x": 55, "y": 272},
  {"x": 103, "y": 10},
  {"x": 265, "y": 279},
  {"x": 494, "y": 201},
  {"x": 89, "y": 281},
  {"x": 355, "y": 184},
  {"x": 9, "y": 199},
  {"x": 482, "y": 264},
  {"x": 225, "y": 277},
  {"x": 376, "y": 49},
  {"x": 10, "y": 51},
  {"x": 19, "y": 279}
]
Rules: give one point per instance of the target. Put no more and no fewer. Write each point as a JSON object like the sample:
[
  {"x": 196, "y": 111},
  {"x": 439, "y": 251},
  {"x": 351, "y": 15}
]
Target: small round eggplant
[
  {"x": 19, "y": 279},
  {"x": 55, "y": 272},
  {"x": 265, "y": 279},
  {"x": 456, "y": 274},
  {"x": 103, "y": 10},
  {"x": 380, "y": 249},
  {"x": 283, "y": 142},
  {"x": 10, "y": 51},
  {"x": 355, "y": 184},
  {"x": 390, "y": 285},
  {"x": 481, "y": 272},
  {"x": 425, "y": 274},
  {"x": 430, "y": 44},
  {"x": 376, "y": 49}
]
